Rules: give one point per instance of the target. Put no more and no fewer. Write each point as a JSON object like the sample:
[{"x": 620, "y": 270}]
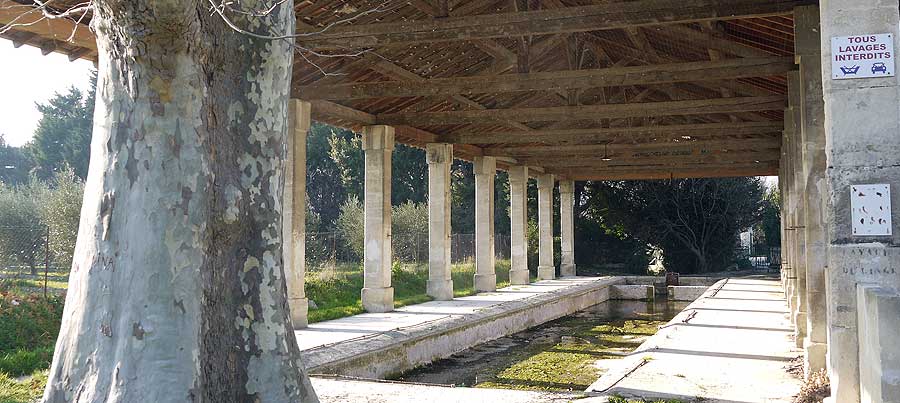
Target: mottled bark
[{"x": 177, "y": 291}]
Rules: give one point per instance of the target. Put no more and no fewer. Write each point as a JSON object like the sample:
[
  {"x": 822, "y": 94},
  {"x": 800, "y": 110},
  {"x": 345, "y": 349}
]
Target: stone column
[
  {"x": 789, "y": 201},
  {"x": 546, "y": 270},
  {"x": 809, "y": 57},
  {"x": 485, "y": 273},
  {"x": 862, "y": 133},
  {"x": 377, "y": 293},
  {"x": 293, "y": 228},
  {"x": 440, "y": 157},
  {"x": 567, "y": 227},
  {"x": 518, "y": 225},
  {"x": 798, "y": 191}
]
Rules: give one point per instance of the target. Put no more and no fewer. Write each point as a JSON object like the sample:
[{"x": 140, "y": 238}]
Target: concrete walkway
[
  {"x": 377, "y": 345},
  {"x": 332, "y": 390},
  {"x": 371, "y": 324},
  {"x": 731, "y": 345}
]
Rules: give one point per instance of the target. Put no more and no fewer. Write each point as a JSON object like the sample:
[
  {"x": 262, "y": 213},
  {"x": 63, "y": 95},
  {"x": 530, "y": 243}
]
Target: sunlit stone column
[
  {"x": 809, "y": 57},
  {"x": 546, "y": 270},
  {"x": 440, "y": 157},
  {"x": 567, "y": 227},
  {"x": 485, "y": 274},
  {"x": 518, "y": 225},
  {"x": 377, "y": 293},
  {"x": 294, "y": 212},
  {"x": 862, "y": 133},
  {"x": 798, "y": 203}
]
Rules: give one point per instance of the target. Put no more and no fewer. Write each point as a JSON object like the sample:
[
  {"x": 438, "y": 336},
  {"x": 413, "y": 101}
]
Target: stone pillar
[
  {"x": 567, "y": 227},
  {"x": 546, "y": 269},
  {"x": 862, "y": 132},
  {"x": 294, "y": 212},
  {"x": 518, "y": 225},
  {"x": 809, "y": 57},
  {"x": 798, "y": 202},
  {"x": 377, "y": 293},
  {"x": 790, "y": 196},
  {"x": 878, "y": 317},
  {"x": 440, "y": 284},
  {"x": 485, "y": 273}
]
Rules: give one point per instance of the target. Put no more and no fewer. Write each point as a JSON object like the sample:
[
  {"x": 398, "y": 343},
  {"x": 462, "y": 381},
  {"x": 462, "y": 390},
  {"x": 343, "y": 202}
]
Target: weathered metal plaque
[{"x": 871, "y": 205}]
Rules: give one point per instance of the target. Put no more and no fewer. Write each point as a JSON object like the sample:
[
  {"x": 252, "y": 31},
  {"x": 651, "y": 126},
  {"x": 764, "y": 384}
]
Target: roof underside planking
[{"x": 585, "y": 89}]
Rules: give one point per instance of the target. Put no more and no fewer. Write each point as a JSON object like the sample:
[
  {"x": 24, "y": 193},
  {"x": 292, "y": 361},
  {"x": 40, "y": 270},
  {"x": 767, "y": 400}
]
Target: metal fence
[
  {"x": 27, "y": 259},
  {"x": 334, "y": 250}
]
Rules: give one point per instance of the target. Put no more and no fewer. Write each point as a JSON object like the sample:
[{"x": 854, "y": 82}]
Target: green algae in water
[{"x": 569, "y": 364}]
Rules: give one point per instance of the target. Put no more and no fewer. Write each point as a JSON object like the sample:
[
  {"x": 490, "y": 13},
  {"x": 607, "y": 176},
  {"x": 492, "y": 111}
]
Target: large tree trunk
[{"x": 177, "y": 291}]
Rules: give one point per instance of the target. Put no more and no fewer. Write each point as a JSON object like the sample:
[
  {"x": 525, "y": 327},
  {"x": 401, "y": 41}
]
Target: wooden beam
[
  {"x": 330, "y": 112},
  {"x": 638, "y": 159},
  {"x": 663, "y": 174},
  {"x": 27, "y": 18},
  {"x": 499, "y": 116},
  {"x": 545, "y": 22},
  {"x": 726, "y": 69},
  {"x": 598, "y": 150},
  {"x": 600, "y": 134}
]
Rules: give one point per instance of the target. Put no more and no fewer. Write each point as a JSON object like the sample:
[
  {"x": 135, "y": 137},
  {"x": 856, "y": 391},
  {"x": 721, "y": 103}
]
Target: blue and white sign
[{"x": 862, "y": 56}]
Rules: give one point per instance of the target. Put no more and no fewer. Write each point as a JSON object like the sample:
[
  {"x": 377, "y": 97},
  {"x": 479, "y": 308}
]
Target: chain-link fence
[
  {"x": 30, "y": 259},
  {"x": 336, "y": 251}
]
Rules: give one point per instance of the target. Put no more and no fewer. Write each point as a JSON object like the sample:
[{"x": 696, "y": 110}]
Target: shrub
[
  {"x": 351, "y": 224},
  {"x": 409, "y": 232},
  {"x": 60, "y": 210},
  {"x": 28, "y": 322},
  {"x": 21, "y": 231}
]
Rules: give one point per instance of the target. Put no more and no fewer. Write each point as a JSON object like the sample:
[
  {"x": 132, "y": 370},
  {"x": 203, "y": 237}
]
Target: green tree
[
  {"x": 14, "y": 164},
  {"x": 770, "y": 223},
  {"x": 63, "y": 135},
  {"x": 694, "y": 221},
  {"x": 60, "y": 210},
  {"x": 22, "y": 233}
]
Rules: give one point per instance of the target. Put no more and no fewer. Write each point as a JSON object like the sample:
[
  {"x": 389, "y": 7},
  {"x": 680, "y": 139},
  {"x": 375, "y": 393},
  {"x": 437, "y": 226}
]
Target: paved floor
[
  {"x": 371, "y": 324},
  {"x": 346, "y": 391},
  {"x": 732, "y": 345}
]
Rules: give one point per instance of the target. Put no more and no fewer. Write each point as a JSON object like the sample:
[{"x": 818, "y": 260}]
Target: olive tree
[{"x": 177, "y": 288}]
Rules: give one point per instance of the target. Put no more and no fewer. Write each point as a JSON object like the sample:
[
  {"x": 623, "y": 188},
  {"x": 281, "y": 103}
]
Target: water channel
[{"x": 567, "y": 354}]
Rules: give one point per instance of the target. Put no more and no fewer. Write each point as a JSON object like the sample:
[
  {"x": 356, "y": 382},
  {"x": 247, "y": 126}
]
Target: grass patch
[
  {"x": 22, "y": 391},
  {"x": 336, "y": 293},
  {"x": 24, "y": 362},
  {"x": 568, "y": 365},
  {"x": 620, "y": 399}
]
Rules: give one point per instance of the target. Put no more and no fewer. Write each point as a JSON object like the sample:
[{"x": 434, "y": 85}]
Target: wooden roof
[{"x": 585, "y": 89}]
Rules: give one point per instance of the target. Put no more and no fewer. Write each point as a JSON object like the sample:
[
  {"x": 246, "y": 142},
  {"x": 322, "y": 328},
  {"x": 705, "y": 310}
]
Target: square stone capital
[
  {"x": 299, "y": 115},
  {"x": 485, "y": 165},
  {"x": 546, "y": 181},
  {"x": 518, "y": 174},
  {"x": 379, "y": 137},
  {"x": 439, "y": 153},
  {"x": 566, "y": 186}
]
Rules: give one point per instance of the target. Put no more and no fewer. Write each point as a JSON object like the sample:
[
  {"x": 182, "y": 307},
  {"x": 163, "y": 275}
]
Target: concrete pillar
[
  {"x": 567, "y": 227},
  {"x": 862, "y": 147},
  {"x": 518, "y": 225},
  {"x": 798, "y": 207},
  {"x": 440, "y": 157},
  {"x": 377, "y": 293},
  {"x": 809, "y": 57},
  {"x": 294, "y": 212},
  {"x": 485, "y": 274},
  {"x": 546, "y": 269}
]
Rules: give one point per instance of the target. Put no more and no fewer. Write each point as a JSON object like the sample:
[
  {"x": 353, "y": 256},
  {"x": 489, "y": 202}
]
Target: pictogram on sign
[{"x": 862, "y": 56}]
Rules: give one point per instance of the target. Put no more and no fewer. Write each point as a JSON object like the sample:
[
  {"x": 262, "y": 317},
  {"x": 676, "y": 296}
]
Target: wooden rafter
[
  {"x": 545, "y": 22},
  {"x": 575, "y": 79},
  {"x": 692, "y": 107}
]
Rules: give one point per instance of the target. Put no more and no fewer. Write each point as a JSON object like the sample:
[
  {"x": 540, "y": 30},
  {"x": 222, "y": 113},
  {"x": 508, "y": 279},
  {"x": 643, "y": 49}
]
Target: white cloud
[{"x": 28, "y": 77}]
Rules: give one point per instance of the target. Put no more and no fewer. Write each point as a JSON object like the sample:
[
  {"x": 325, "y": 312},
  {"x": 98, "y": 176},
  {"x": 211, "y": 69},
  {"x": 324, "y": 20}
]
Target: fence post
[{"x": 46, "y": 258}]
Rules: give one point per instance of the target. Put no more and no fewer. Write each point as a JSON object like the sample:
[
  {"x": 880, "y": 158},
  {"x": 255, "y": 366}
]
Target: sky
[{"x": 27, "y": 77}]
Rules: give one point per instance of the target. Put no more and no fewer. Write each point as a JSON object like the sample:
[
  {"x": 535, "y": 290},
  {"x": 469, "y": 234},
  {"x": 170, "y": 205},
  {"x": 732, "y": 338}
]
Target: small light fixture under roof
[{"x": 606, "y": 156}]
